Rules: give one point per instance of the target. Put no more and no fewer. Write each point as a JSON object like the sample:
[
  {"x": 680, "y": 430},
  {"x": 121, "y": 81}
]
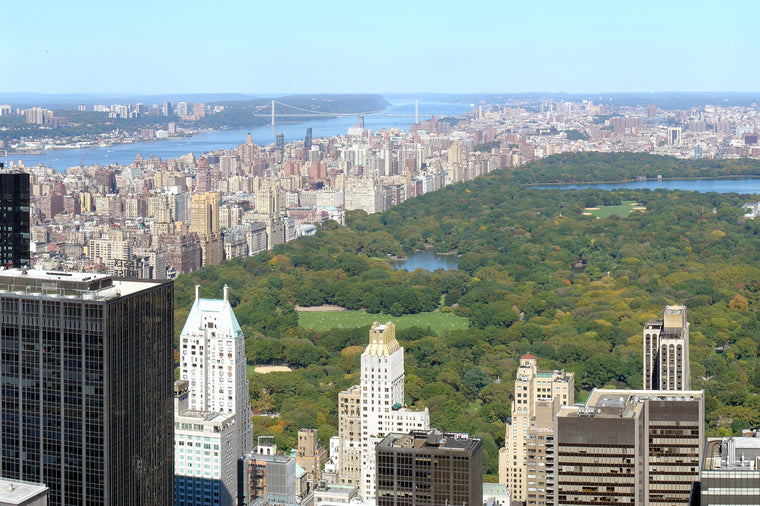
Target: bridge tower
[
  {"x": 416, "y": 111},
  {"x": 272, "y": 112}
]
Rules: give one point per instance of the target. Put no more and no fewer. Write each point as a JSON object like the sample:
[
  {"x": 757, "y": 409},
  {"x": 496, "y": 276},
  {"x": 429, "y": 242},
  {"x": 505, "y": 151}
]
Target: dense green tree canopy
[{"x": 535, "y": 274}]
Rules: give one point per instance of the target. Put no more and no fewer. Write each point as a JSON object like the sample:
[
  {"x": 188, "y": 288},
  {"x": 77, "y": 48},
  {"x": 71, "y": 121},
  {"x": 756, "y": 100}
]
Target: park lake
[{"x": 426, "y": 260}]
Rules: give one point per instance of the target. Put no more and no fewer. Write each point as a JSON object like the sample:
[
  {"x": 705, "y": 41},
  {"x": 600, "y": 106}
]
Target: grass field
[
  {"x": 621, "y": 210},
  {"x": 352, "y": 319}
]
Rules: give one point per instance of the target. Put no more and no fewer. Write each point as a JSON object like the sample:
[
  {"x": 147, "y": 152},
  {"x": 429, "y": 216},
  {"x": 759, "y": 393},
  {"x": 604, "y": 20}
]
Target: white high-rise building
[
  {"x": 212, "y": 360},
  {"x": 377, "y": 404},
  {"x": 205, "y": 462}
]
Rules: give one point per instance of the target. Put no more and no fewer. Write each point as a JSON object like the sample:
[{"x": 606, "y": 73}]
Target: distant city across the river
[{"x": 204, "y": 142}]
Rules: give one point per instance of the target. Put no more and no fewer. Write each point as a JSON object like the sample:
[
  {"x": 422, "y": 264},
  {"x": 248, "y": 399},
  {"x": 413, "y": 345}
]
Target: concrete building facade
[
  {"x": 538, "y": 397},
  {"x": 627, "y": 447}
]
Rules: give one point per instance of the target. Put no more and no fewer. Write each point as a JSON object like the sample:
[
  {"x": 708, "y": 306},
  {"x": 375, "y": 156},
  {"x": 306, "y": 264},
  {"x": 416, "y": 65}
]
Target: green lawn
[
  {"x": 621, "y": 210},
  {"x": 352, "y": 319}
]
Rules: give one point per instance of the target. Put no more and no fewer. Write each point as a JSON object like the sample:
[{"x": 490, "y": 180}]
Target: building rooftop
[
  {"x": 225, "y": 317},
  {"x": 430, "y": 439},
  {"x": 732, "y": 454},
  {"x": 76, "y": 285},
  {"x": 17, "y": 492},
  {"x": 382, "y": 339},
  {"x": 623, "y": 403}
]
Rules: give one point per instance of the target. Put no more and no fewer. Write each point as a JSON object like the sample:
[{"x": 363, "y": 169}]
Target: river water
[
  {"x": 724, "y": 185},
  {"x": 124, "y": 154}
]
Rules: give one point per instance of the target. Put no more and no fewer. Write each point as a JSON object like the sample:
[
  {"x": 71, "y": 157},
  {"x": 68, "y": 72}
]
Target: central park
[{"x": 538, "y": 272}]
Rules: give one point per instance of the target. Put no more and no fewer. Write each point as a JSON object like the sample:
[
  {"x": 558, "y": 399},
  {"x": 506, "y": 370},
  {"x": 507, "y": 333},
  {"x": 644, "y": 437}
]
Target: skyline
[{"x": 148, "y": 48}]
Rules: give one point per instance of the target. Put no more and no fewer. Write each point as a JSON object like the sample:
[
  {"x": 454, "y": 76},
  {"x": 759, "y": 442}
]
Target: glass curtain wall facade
[{"x": 86, "y": 387}]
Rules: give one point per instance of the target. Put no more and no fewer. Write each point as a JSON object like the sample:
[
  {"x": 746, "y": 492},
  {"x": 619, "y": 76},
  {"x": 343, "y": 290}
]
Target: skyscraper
[
  {"x": 666, "y": 351},
  {"x": 280, "y": 144},
  {"x": 374, "y": 408},
  {"x": 538, "y": 397},
  {"x": 627, "y": 447},
  {"x": 429, "y": 468},
  {"x": 307, "y": 140},
  {"x": 205, "y": 462},
  {"x": 212, "y": 359},
  {"x": 86, "y": 386},
  {"x": 14, "y": 218},
  {"x": 204, "y": 220}
]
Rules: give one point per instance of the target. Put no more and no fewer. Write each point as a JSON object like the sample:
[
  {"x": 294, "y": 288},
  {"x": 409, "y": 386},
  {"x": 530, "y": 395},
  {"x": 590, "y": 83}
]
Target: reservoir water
[
  {"x": 742, "y": 185},
  {"x": 124, "y": 154},
  {"x": 427, "y": 260}
]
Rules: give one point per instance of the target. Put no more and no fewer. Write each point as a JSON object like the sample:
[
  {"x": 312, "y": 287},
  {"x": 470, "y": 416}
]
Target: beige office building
[
  {"x": 639, "y": 447},
  {"x": 538, "y": 397}
]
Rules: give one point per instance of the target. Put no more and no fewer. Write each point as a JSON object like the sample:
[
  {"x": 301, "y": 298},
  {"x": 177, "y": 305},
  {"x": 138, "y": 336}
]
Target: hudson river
[{"x": 124, "y": 154}]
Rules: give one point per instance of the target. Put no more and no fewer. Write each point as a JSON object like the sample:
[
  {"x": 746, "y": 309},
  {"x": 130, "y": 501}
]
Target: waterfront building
[
  {"x": 666, "y": 351},
  {"x": 529, "y": 433},
  {"x": 627, "y": 447},
  {"x": 86, "y": 391},
  {"x": 429, "y": 468},
  {"x": 14, "y": 218},
  {"x": 374, "y": 408}
]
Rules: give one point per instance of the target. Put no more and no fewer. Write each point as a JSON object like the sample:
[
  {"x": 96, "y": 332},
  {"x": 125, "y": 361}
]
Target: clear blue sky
[{"x": 281, "y": 46}]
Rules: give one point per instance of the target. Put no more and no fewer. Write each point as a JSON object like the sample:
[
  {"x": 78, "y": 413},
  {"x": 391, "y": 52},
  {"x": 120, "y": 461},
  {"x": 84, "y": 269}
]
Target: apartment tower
[
  {"x": 529, "y": 434},
  {"x": 212, "y": 359},
  {"x": 374, "y": 408},
  {"x": 212, "y": 362},
  {"x": 666, "y": 351},
  {"x": 204, "y": 220}
]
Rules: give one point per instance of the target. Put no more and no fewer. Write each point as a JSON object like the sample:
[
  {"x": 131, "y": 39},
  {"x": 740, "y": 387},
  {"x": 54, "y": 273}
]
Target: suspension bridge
[{"x": 291, "y": 111}]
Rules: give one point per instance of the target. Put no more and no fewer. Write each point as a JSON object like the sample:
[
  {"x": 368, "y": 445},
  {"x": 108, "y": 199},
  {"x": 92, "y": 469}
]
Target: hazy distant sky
[{"x": 280, "y": 46}]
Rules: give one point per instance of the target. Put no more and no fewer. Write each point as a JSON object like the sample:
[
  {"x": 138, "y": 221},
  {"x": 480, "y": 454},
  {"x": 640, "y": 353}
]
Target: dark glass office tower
[
  {"x": 14, "y": 218},
  {"x": 86, "y": 386},
  {"x": 429, "y": 469}
]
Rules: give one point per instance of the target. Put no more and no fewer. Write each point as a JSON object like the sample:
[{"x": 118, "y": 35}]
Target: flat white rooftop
[
  {"x": 77, "y": 285},
  {"x": 79, "y": 277},
  {"x": 17, "y": 492}
]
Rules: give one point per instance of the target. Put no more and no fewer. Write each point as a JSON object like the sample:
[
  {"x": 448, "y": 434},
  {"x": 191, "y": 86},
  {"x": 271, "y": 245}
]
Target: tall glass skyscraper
[
  {"x": 86, "y": 386},
  {"x": 14, "y": 218}
]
